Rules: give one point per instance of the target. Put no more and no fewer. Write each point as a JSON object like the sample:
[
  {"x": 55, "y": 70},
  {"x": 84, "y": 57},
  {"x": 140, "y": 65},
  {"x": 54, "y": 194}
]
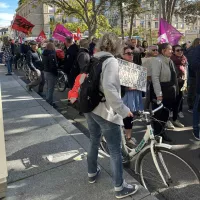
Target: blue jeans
[
  {"x": 51, "y": 82},
  {"x": 112, "y": 134},
  {"x": 196, "y": 117},
  {"x": 9, "y": 65}
]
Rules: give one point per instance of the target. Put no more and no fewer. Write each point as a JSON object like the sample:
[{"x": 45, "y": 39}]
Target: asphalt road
[{"x": 183, "y": 141}]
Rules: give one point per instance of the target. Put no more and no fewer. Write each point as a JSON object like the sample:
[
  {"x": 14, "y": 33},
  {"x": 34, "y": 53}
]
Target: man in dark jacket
[
  {"x": 191, "y": 79},
  {"x": 71, "y": 51},
  {"x": 35, "y": 64},
  {"x": 196, "y": 109},
  {"x": 16, "y": 52}
]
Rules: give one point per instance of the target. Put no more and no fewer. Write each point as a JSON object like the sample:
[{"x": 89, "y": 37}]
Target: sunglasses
[
  {"x": 154, "y": 49},
  {"x": 179, "y": 50},
  {"x": 129, "y": 53}
]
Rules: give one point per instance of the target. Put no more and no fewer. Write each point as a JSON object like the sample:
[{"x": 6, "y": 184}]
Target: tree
[
  {"x": 87, "y": 11},
  {"x": 133, "y": 8},
  {"x": 189, "y": 9}
]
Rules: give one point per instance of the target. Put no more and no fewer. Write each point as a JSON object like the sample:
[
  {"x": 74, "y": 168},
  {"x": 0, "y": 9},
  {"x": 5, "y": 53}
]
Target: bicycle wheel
[
  {"x": 182, "y": 178},
  {"x": 61, "y": 84}
]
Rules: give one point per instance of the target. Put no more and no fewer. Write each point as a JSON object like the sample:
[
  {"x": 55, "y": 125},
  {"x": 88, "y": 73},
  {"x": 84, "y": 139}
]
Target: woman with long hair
[
  {"x": 132, "y": 99},
  {"x": 164, "y": 87},
  {"x": 180, "y": 62}
]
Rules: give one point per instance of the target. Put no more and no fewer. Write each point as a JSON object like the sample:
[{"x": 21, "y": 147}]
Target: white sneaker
[
  {"x": 169, "y": 125},
  {"x": 181, "y": 115},
  {"x": 178, "y": 124}
]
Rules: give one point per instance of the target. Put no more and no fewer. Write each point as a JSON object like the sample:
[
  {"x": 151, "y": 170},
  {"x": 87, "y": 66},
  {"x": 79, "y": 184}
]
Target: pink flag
[
  {"x": 60, "y": 33},
  {"x": 167, "y": 33}
]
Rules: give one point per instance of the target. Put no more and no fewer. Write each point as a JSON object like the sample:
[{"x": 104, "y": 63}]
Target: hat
[{"x": 33, "y": 42}]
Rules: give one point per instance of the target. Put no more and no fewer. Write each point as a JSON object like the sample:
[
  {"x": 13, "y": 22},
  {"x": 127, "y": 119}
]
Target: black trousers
[
  {"x": 162, "y": 116},
  {"x": 128, "y": 122}
]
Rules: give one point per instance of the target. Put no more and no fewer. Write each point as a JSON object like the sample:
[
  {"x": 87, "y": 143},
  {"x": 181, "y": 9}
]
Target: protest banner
[
  {"x": 22, "y": 25},
  {"x": 132, "y": 75},
  {"x": 60, "y": 33}
]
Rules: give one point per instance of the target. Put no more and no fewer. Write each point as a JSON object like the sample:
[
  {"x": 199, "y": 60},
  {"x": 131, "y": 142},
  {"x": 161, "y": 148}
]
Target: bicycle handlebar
[{"x": 140, "y": 113}]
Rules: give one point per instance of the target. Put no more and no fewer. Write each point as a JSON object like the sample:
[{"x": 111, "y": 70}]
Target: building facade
[{"x": 42, "y": 16}]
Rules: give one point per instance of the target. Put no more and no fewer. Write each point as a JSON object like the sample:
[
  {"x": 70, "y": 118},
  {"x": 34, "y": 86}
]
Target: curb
[{"x": 83, "y": 141}]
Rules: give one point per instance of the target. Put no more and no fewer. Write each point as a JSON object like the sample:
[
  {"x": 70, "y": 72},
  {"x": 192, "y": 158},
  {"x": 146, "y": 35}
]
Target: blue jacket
[{"x": 196, "y": 66}]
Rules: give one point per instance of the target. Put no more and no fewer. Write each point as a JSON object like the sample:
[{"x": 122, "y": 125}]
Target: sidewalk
[{"x": 46, "y": 154}]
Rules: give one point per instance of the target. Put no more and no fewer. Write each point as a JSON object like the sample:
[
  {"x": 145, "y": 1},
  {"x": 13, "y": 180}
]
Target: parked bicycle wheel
[
  {"x": 26, "y": 71},
  {"x": 62, "y": 82},
  {"x": 19, "y": 64},
  {"x": 182, "y": 178}
]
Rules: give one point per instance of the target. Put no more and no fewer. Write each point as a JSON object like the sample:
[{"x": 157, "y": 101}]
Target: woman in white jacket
[{"x": 108, "y": 116}]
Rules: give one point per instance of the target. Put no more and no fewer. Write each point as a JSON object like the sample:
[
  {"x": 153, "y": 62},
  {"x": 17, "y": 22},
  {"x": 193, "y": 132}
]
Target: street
[{"x": 183, "y": 141}]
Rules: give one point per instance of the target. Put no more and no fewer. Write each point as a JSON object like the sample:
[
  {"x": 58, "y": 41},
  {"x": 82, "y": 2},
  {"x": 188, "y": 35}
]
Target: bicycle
[
  {"x": 153, "y": 164},
  {"x": 62, "y": 81},
  {"x": 20, "y": 62}
]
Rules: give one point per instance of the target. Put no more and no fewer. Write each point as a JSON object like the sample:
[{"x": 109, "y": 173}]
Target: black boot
[{"x": 165, "y": 137}]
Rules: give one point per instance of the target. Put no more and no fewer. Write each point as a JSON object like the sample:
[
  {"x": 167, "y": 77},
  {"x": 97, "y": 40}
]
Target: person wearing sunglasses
[
  {"x": 164, "y": 88},
  {"x": 132, "y": 98},
  {"x": 180, "y": 63}
]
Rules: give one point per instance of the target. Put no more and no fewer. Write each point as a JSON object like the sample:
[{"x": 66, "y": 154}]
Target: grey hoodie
[{"x": 113, "y": 109}]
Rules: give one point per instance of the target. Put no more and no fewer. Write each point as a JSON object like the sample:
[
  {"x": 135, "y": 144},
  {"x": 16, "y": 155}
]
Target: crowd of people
[{"x": 172, "y": 72}]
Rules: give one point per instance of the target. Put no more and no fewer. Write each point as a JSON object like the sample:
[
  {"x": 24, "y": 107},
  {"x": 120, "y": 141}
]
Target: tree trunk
[
  {"x": 131, "y": 26},
  {"x": 122, "y": 19}
]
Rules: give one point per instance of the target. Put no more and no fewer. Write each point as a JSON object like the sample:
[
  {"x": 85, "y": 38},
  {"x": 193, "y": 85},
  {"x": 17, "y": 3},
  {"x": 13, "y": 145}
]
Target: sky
[{"x": 7, "y": 11}]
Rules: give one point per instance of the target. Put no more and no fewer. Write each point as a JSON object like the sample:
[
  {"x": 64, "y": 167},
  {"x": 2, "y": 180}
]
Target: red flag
[
  {"x": 78, "y": 34},
  {"x": 41, "y": 37},
  {"x": 75, "y": 37},
  {"x": 21, "y": 24}
]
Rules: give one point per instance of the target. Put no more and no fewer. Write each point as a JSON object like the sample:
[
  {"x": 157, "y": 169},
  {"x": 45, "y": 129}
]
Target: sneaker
[
  {"x": 125, "y": 190},
  {"x": 93, "y": 177},
  {"x": 197, "y": 138},
  {"x": 28, "y": 88},
  {"x": 178, "y": 124},
  {"x": 181, "y": 115},
  {"x": 131, "y": 142},
  {"x": 190, "y": 110},
  {"x": 8, "y": 74},
  {"x": 169, "y": 125}
]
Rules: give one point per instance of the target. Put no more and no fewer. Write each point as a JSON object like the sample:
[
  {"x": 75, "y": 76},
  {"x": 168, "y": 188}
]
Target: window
[
  {"x": 156, "y": 24},
  {"x": 149, "y": 24}
]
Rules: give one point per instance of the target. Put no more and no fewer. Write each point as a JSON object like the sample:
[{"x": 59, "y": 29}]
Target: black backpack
[{"x": 90, "y": 95}]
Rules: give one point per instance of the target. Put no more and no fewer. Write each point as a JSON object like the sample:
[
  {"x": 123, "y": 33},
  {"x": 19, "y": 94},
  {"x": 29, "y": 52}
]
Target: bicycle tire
[
  {"x": 62, "y": 82},
  {"x": 178, "y": 187}
]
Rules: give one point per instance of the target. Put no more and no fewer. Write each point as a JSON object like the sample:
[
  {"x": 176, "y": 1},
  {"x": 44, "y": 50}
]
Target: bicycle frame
[{"x": 149, "y": 135}]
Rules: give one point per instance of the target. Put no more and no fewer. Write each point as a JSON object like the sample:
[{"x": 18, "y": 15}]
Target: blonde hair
[
  {"x": 84, "y": 43},
  {"x": 110, "y": 43}
]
